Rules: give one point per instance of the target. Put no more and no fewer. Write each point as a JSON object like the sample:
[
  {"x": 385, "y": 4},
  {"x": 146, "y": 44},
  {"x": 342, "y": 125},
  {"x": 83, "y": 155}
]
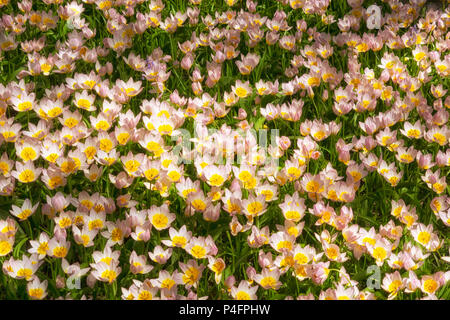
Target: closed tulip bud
[
  {"x": 110, "y": 206},
  {"x": 59, "y": 202},
  {"x": 60, "y": 282},
  {"x": 197, "y": 75},
  {"x": 197, "y": 88},
  {"x": 437, "y": 104},
  {"x": 251, "y": 273},
  {"x": 25, "y": 5},
  {"x": 434, "y": 56},
  {"x": 48, "y": 210},
  {"x": 315, "y": 155},
  {"x": 109, "y": 68},
  {"x": 129, "y": 11},
  {"x": 272, "y": 37},
  {"x": 90, "y": 281},
  {"x": 187, "y": 61},
  {"x": 284, "y": 143},
  {"x": 385, "y": 75},
  {"x": 235, "y": 186},
  {"x": 302, "y": 25},
  {"x": 102, "y": 52},
  {"x": 60, "y": 233},
  {"x": 251, "y": 6},
  {"x": 103, "y": 90},
  {"x": 90, "y": 56},
  {"x": 242, "y": 114},
  {"x": 212, "y": 213},
  {"x": 230, "y": 281},
  {"x": 88, "y": 33},
  {"x": 193, "y": 14},
  {"x": 140, "y": 26}
]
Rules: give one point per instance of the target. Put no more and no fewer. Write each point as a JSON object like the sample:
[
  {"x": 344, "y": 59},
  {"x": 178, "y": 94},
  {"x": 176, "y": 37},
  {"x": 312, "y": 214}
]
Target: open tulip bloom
[{"x": 247, "y": 150}]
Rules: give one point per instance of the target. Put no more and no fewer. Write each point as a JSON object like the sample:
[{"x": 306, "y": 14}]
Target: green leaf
[
  {"x": 18, "y": 247},
  {"x": 259, "y": 123}
]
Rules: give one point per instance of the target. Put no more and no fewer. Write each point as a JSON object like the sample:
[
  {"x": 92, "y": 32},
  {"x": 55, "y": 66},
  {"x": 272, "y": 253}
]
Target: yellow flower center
[
  {"x": 144, "y": 295},
  {"x": 313, "y": 81},
  {"x": 198, "y": 252},
  {"x": 254, "y": 208},
  {"x": 413, "y": 133},
  {"x": 109, "y": 275},
  {"x": 24, "y": 106},
  {"x": 43, "y": 248},
  {"x": 174, "y": 175},
  {"x": 132, "y": 165},
  {"x": 116, "y": 235},
  {"x": 242, "y": 295},
  {"x": 24, "y": 214},
  {"x": 423, "y": 237},
  {"x": 372, "y": 241},
  {"x": 332, "y": 253},
  {"x": 85, "y": 239},
  {"x": 284, "y": 245},
  {"x": 25, "y": 273},
  {"x": 313, "y": 186},
  {"x": 45, "y": 67},
  {"x": 439, "y": 138},
  {"x": 250, "y": 183},
  {"x": 430, "y": 286},
  {"x": 160, "y": 221},
  {"x": 191, "y": 276},
  {"x": 268, "y": 194},
  {"x": 406, "y": 158},
  {"x": 294, "y": 172},
  {"x": 123, "y": 137},
  {"x": 54, "y": 112},
  {"x": 319, "y": 135},
  {"x": 356, "y": 175},
  {"x": 71, "y": 122},
  {"x": 90, "y": 152},
  {"x": 60, "y": 252},
  {"x": 84, "y": 103},
  {"x": 199, "y": 204},
  {"x": 151, "y": 173},
  {"x": 393, "y": 181},
  {"x": 419, "y": 56},
  {"x": 90, "y": 83},
  {"x": 95, "y": 224},
  {"x": 9, "y": 136},
  {"x": 104, "y": 5},
  {"x": 179, "y": 241},
  {"x": 36, "y": 293},
  {"x": 241, "y": 92},
  {"x": 301, "y": 258},
  {"x": 216, "y": 180},
  {"x": 26, "y": 176},
  {"x": 68, "y": 166},
  {"x": 5, "y": 248},
  {"x": 4, "y": 168},
  {"x": 167, "y": 283},
  {"x": 102, "y": 125},
  {"x": 379, "y": 253},
  {"x": 393, "y": 287},
  {"x": 268, "y": 282},
  {"x": 165, "y": 129},
  {"x": 106, "y": 145},
  {"x": 438, "y": 187}
]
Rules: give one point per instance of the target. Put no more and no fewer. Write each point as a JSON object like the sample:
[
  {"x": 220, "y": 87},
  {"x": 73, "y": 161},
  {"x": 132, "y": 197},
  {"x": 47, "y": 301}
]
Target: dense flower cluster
[{"x": 135, "y": 150}]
